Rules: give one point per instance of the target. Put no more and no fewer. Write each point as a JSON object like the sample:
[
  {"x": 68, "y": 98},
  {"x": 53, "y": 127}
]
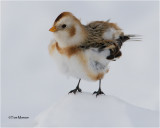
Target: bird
[{"x": 85, "y": 51}]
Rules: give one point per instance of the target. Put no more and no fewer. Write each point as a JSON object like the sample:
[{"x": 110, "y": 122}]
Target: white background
[{"x": 31, "y": 81}]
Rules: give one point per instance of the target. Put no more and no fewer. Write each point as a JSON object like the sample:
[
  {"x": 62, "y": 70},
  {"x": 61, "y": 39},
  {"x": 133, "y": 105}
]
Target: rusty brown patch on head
[
  {"x": 62, "y": 15},
  {"x": 68, "y": 51},
  {"x": 72, "y": 31}
]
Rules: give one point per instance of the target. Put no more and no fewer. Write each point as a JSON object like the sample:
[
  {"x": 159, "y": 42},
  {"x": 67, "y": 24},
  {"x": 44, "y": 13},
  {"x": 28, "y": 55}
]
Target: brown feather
[
  {"x": 51, "y": 48},
  {"x": 72, "y": 31},
  {"x": 68, "y": 51},
  {"x": 62, "y": 15}
]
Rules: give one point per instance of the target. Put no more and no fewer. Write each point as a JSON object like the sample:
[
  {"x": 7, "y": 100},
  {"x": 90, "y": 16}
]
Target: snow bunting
[{"x": 85, "y": 51}]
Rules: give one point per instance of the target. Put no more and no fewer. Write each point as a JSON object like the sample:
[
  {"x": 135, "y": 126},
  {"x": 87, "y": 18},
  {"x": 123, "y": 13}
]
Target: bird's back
[
  {"x": 103, "y": 30},
  {"x": 103, "y": 34}
]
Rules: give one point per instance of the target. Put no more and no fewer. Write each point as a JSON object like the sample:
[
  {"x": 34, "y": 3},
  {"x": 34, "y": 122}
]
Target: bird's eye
[{"x": 64, "y": 25}]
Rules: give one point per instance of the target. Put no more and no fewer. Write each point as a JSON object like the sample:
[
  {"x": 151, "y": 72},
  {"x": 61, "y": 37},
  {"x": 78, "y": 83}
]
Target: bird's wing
[
  {"x": 105, "y": 35},
  {"x": 100, "y": 45},
  {"x": 95, "y": 40}
]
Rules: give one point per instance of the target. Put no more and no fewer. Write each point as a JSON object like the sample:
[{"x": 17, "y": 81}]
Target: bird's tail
[
  {"x": 134, "y": 37},
  {"x": 130, "y": 37}
]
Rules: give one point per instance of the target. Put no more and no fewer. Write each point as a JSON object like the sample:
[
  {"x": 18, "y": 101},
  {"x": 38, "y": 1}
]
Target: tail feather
[
  {"x": 134, "y": 37},
  {"x": 130, "y": 37},
  {"x": 116, "y": 53}
]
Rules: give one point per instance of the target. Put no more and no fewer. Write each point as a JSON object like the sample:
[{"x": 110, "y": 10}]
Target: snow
[{"x": 85, "y": 110}]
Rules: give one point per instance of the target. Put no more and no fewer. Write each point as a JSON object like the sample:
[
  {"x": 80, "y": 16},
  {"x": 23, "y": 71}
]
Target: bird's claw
[
  {"x": 75, "y": 90},
  {"x": 99, "y": 92}
]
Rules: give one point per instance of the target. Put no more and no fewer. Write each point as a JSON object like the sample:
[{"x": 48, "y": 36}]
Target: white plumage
[
  {"x": 96, "y": 62},
  {"x": 84, "y": 51}
]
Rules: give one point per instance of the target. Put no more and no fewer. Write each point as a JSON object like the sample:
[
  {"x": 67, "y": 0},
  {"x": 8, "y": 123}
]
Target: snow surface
[{"x": 84, "y": 109}]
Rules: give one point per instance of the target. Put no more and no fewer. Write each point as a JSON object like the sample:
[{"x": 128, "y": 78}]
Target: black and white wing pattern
[{"x": 105, "y": 35}]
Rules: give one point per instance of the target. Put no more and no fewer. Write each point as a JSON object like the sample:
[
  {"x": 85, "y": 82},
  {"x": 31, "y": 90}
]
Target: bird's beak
[{"x": 53, "y": 29}]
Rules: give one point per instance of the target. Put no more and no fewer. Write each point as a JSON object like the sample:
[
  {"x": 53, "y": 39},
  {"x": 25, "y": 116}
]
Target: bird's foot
[
  {"x": 77, "y": 89},
  {"x": 99, "y": 92}
]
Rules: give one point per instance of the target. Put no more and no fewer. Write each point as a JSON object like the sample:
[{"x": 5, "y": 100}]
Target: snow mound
[{"x": 84, "y": 109}]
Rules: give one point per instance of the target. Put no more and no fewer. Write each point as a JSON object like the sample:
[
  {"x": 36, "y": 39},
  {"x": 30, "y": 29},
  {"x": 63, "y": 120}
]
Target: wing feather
[{"x": 105, "y": 35}]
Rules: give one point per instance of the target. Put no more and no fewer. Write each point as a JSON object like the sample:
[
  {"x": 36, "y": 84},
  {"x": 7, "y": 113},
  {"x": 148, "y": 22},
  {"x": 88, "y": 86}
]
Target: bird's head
[{"x": 68, "y": 30}]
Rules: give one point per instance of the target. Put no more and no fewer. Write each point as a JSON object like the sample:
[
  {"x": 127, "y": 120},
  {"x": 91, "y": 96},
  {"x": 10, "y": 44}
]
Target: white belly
[
  {"x": 96, "y": 63},
  {"x": 97, "y": 60}
]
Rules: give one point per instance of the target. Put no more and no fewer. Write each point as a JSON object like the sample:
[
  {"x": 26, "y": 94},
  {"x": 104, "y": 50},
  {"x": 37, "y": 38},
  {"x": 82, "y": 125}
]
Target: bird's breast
[{"x": 89, "y": 64}]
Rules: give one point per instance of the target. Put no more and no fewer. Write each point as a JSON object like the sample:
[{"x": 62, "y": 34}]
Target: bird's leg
[
  {"x": 99, "y": 90},
  {"x": 77, "y": 88}
]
